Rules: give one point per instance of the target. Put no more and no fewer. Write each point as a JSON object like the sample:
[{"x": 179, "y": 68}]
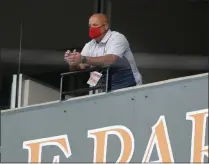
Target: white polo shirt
[{"x": 124, "y": 71}]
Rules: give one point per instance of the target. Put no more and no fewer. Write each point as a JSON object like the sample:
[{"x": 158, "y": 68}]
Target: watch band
[{"x": 83, "y": 59}]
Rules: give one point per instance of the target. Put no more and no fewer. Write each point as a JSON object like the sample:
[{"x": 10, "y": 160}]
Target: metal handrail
[{"x": 107, "y": 86}]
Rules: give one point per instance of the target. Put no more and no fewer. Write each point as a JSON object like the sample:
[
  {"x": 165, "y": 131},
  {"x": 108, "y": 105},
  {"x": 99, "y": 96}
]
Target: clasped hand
[{"x": 72, "y": 58}]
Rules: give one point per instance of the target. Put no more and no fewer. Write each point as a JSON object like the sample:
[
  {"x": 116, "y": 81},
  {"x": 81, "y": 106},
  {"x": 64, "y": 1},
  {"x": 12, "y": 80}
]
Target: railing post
[
  {"x": 108, "y": 80},
  {"x": 62, "y": 96}
]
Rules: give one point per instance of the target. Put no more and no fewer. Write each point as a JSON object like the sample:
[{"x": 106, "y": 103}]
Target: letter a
[
  {"x": 198, "y": 148},
  {"x": 159, "y": 137},
  {"x": 35, "y": 147},
  {"x": 100, "y": 143}
]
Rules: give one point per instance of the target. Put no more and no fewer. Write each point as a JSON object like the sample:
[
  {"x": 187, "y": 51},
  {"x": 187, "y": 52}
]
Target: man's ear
[{"x": 106, "y": 27}]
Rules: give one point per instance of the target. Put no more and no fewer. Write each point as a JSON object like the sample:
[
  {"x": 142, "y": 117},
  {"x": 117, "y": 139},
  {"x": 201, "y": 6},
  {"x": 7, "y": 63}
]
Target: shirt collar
[{"x": 106, "y": 37}]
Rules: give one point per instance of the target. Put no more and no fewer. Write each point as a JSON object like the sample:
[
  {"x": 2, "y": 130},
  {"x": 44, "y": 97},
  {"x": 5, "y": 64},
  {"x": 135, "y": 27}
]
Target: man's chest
[{"x": 97, "y": 49}]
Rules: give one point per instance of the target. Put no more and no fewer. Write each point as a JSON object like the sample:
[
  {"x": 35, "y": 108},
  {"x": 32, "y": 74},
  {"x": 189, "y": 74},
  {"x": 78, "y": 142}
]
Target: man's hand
[
  {"x": 67, "y": 56},
  {"x": 74, "y": 58}
]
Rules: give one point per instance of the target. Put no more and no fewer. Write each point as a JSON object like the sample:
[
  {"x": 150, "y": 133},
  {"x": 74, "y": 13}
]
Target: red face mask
[{"x": 94, "y": 32}]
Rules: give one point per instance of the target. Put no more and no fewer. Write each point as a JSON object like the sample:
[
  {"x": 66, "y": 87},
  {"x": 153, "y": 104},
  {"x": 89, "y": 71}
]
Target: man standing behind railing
[{"x": 107, "y": 48}]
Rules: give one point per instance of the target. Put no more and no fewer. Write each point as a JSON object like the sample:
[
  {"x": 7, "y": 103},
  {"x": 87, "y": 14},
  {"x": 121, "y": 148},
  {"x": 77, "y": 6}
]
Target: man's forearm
[{"x": 101, "y": 60}]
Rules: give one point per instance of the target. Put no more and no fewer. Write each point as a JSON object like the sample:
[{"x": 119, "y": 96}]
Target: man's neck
[{"x": 101, "y": 37}]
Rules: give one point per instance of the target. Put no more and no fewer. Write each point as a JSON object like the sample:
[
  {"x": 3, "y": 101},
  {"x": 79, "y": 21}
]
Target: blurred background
[{"x": 169, "y": 39}]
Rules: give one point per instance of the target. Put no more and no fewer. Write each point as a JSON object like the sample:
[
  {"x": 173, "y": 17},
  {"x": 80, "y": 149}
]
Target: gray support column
[{"x": 105, "y": 7}]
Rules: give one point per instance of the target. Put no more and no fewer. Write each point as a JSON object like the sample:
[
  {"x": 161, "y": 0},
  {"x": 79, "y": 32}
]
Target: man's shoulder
[
  {"x": 116, "y": 33},
  {"x": 117, "y": 37}
]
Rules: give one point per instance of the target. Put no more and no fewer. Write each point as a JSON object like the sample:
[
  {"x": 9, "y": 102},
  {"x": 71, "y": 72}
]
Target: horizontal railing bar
[
  {"x": 83, "y": 90},
  {"x": 86, "y": 70}
]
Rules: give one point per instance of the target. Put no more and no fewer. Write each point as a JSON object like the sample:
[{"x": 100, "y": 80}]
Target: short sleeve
[
  {"x": 117, "y": 45},
  {"x": 85, "y": 50}
]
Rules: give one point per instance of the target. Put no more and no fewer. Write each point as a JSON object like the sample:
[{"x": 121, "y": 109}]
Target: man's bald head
[
  {"x": 97, "y": 20},
  {"x": 101, "y": 18}
]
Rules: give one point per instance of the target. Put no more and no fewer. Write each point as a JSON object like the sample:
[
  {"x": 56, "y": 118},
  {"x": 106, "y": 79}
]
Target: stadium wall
[{"x": 165, "y": 121}]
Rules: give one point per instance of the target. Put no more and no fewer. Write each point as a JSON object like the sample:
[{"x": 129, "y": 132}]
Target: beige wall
[{"x": 36, "y": 93}]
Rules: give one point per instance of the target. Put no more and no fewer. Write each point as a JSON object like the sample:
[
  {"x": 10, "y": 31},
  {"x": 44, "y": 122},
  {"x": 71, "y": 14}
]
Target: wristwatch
[{"x": 83, "y": 59}]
